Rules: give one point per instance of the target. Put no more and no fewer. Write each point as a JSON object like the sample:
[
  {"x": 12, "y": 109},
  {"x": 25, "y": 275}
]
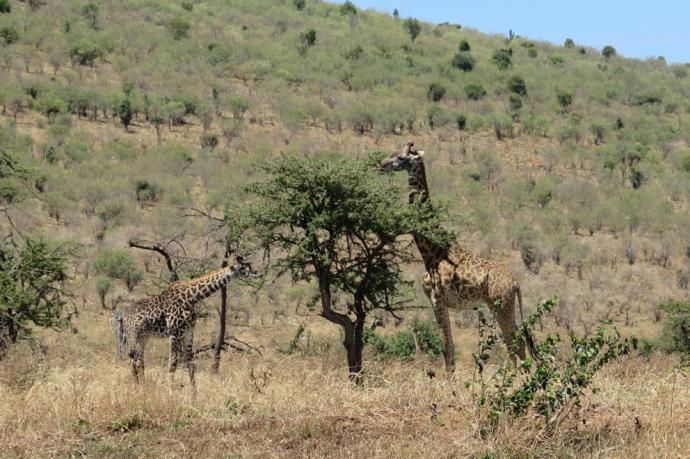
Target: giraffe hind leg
[
  {"x": 505, "y": 317},
  {"x": 175, "y": 351},
  {"x": 136, "y": 356}
]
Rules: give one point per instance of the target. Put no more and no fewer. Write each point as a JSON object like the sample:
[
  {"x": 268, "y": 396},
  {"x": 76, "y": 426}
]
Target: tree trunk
[
  {"x": 354, "y": 345},
  {"x": 220, "y": 339}
]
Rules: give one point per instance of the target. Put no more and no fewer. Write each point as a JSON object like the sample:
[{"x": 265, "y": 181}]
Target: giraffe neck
[
  {"x": 202, "y": 287},
  {"x": 432, "y": 253}
]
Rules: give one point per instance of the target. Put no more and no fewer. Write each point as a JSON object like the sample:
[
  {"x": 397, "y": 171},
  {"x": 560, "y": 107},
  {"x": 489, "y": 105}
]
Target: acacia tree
[
  {"x": 32, "y": 271},
  {"x": 329, "y": 219}
]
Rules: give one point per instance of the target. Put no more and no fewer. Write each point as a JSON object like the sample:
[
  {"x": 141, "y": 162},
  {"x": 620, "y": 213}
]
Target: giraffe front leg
[
  {"x": 443, "y": 320},
  {"x": 188, "y": 356}
]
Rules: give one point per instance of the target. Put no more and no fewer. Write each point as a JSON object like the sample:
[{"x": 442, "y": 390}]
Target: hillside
[{"x": 140, "y": 119}]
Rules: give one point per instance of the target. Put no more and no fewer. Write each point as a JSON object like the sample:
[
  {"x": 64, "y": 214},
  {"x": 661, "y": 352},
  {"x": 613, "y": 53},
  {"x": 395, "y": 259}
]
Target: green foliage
[
  {"x": 675, "y": 333},
  {"x": 308, "y": 38},
  {"x": 413, "y": 27},
  {"x": 517, "y": 85},
  {"x": 435, "y": 92},
  {"x": 461, "y": 121},
  {"x": 548, "y": 386},
  {"x": 608, "y": 51},
  {"x": 208, "y": 141},
  {"x": 146, "y": 191},
  {"x": 5, "y": 6},
  {"x": 463, "y": 61},
  {"x": 179, "y": 27},
  {"x": 116, "y": 264},
  {"x": 348, "y": 8},
  {"x": 565, "y": 99},
  {"x": 31, "y": 289},
  {"x": 569, "y": 43},
  {"x": 502, "y": 58},
  {"x": 124, "y": 112},
  {"x": 90, "y": 13},
  {"x": 187, "y": 5},
  {"x": 401, "y": 344},
  {"x": 464, "y": 45},
  {"x": 475, "y": 91},
  {"x": 299, "y": 4},
  {"x": 8, "y": 35},
  {"x": 103, "y": 285},
  {"x": 86, "y": 52}
]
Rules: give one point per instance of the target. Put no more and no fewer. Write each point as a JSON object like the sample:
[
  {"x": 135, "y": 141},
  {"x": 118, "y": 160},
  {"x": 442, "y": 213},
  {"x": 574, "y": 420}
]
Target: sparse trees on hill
[
  {"x": 413, "y": 27},
  {"x": 124, "y": 112},
  {"x": 179, "y": 27},
  {"x": 90, "y": 14},
  {"x": 608, "y": 51},
  {"x": 502, "y": 58}
]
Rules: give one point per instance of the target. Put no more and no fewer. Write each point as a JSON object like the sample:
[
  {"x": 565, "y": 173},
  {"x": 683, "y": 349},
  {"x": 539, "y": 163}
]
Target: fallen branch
[{"x": 229, "y": 342}]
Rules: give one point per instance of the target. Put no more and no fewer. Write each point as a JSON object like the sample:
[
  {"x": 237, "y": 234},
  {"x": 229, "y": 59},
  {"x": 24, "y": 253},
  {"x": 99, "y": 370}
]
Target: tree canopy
[{"x": 333, "y": 220}]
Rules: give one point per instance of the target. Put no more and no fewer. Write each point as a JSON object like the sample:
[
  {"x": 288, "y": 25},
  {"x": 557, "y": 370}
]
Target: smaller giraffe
[{"x": 171, "y": 314}]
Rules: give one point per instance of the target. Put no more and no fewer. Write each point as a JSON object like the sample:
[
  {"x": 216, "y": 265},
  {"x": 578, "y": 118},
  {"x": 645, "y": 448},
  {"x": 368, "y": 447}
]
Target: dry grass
[{"x": 75, "y": 400}]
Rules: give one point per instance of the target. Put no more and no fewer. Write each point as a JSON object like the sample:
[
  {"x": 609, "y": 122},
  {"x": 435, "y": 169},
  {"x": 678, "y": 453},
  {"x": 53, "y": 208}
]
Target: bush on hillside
[
  {"x": 413, "y": 27},
  {"x": 85, "y": 53},
  {"x": 299, "y": 4},
  {"x": 117, "y": 264},
  {"x": 8, "y": 35},
  {"x": 675, "y": 334},
  {"x": 179, "y": 27},
  {"x": 463, "y": 61},
  {"x": 464, "y": 45},
  {"x": 502, "y": 58},
  {"x": 608, "y": 51},
  {"x": 475, "y": 91},
  {"x": 435, "y": 92},
  {"x": 5, "y": 6},
  {"x": 517, "y": 85}
]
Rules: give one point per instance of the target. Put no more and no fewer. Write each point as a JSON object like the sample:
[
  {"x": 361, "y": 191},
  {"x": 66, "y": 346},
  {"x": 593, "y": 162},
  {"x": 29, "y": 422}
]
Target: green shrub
[
  {"x": 299, "y": 4},
  {"x": 502, "y": 58},
  {"x": 125, "y": 113},
  {"x": 675, "y": 333},
  {"x": 460, "y": 121},
  {"x": 179, "y": 27},
  {"x": 475, "y": 91},
  {"x": 116, "y": 264},
  {"x": 532, "y": 52},
  {"x": 354, "y": 54},
  {"x": 5, "y": 6},
  {"x": 517, "y": 85},
  {"x": 463, "y": 61},
  {"x": 608, "y": 51},
  {"x": 187, "y": 5},
  {"x": 146, "y": 192},
  {"x": 565, "y": 99},
  {"x": 435, "y": 92},
  {"x": 348, "y": 8},
  {"x": 413, "y": 27},
  {"x": 8, "y": 35},
  {"x": 90, "y": 13},
  {"x": 208, "y": 141},
  {"x": 556, "y": 60},
  {"x": 569, "y": 43},
  {"x": 308, "y": 38},
  {"x": 401, "y": 344},
  {"x": 86, "y": 53},
  {"x": 515, "y": 102},
  {"x": 464, "y": 45},
  {"x": 103, "y": 285},
  {"x": 550, "y": 384},
  {"x": 503, "y": 126}
]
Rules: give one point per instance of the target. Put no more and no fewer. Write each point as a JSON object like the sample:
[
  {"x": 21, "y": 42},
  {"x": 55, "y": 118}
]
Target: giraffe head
[
  {"x": 409, "y": 159},
  {"x": 244, "y": 269}
]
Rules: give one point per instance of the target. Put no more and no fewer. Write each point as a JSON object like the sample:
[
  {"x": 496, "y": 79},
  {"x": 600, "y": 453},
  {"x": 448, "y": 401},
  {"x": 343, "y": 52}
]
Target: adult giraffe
[{"x": 455, "y": 278}]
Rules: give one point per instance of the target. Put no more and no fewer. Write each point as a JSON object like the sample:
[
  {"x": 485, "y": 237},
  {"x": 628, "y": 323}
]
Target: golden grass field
[{"x": 72, "y": 398}]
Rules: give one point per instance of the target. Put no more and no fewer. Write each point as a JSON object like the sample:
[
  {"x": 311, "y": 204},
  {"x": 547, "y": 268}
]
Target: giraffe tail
[
  {"x": 116, "y": 323},
  {"x": 531, "y": 347}
]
